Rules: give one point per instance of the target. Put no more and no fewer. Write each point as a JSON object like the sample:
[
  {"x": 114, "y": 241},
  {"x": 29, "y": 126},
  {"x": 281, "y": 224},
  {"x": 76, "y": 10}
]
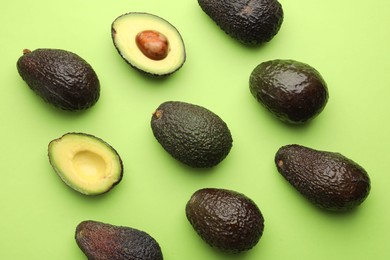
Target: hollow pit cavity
[{"x": 89, "y": 165}]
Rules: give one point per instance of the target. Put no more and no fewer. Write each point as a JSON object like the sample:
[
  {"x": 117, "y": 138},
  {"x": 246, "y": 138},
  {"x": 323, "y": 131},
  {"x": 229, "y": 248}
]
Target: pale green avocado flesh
[
  {"x": 85, "y": 163},
  {"x": 124, "y": 32}
]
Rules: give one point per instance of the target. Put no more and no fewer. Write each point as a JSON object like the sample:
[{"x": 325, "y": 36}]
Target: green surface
[{"x": 347, "y": 41}]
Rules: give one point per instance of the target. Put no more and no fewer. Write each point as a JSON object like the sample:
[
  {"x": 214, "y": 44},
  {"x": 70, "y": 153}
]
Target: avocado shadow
[
  {"x": 274, "y": 122},
  {"x": 69, "y": 114},
  {"x": 141, "y": 75},
  {"x": 235, "y": 256},
  {"x": 331, "y": 214},
  {"x": 77, "y": 196},
  {"x": 340, "y": 214},
  {"x": 92, "y": 199},
  {"x": 198, "y": 171},
  {"x": 47, "y": 107},
  {"x": 253, "y": 48}
]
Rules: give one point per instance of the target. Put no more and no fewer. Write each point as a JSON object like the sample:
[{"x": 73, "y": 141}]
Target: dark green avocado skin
[
  {"x": 328, "y": 179},
  {"x": 251, "y": 22},
  {"x": 225, "y": 219},
  {"x": 60, "y": 77},
  {"x": 192, "y": 134},
  {"x": 102, "y": 241},
  {"x": 292, "y": 91}
]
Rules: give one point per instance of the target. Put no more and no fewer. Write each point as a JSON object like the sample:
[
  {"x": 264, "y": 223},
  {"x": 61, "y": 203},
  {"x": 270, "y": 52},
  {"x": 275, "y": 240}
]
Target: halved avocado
[
  {"x": 148, "y": 43},
  {"x": 85, "y": 163}
]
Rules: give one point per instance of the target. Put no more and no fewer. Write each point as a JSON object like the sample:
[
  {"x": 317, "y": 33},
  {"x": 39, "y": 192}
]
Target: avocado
[
  {"x": 225, "y": 219},
  {"x": 328, "y": 179},
  {"x": 60, "y": 77},
  {"x": 148, "y": 43},
  {"x": 102, "y": 241},
  {"x": 250, "y": 22},
  {"x": 292, "y": 91},
  {"x": 191, "y": 133},
  {"x": 85, "y": 163}
]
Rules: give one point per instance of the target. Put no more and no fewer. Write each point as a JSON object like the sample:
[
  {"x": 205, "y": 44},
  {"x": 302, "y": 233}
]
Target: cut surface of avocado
[
  {"x": 86, "y": 163},
  {"x": 148, "y": 43}
]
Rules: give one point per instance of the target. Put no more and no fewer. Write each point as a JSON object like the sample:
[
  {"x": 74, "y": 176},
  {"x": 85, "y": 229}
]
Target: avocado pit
[{"x": 153, "y": 44}]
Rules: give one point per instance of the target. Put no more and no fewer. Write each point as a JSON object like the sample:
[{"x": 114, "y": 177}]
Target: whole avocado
[
  {"x": 102, "y": 241},
  {"x": 328, "y": 179},
  {"x": 250, "y": 22},
  {"x": 225, "y": 219},
  {"x": 292, "y": 91},
  {"x": 60, "y": 77},
  {"x": 192, "y": 134}
]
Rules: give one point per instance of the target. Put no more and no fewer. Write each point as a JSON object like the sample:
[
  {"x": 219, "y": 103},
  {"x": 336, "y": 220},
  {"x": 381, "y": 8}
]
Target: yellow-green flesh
[
  {"x": 126, "y": 29},
  {"x": 85, "y": 163}
]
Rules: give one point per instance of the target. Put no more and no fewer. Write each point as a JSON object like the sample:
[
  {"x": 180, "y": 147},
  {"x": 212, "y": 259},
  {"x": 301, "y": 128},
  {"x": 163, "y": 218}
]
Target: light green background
[{"x": 347, "y": 41}]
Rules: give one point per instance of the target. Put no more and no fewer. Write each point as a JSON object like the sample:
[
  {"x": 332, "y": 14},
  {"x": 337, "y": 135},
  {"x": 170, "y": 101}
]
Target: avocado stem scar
[
  {"x": 280, "y": 163},
  {"x": 158, "y": 114},
  {"x": 26, "y": 51}
]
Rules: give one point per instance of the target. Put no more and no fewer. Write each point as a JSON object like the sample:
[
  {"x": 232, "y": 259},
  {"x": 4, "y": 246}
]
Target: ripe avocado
[
  {"x": 225, "y": 219},
  {"x": 60, "y": 77},
  {"x": 250, "y": 22},
  {"x": 192, "y": 134},
  {"x": 85, "y": 163},
  {"x": 328, "y": 179},
  {"x": 292, "y": 91},
  {"x": 102, "y": 241},
  {"x": 148, "y": 43}
]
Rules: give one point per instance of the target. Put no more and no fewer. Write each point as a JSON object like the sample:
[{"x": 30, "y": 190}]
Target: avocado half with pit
[
  {"x": 85, "y": 163},
  {"x": 148, "y": 43}
]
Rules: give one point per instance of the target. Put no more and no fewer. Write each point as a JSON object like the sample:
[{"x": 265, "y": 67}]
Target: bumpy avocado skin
[
  {"x": 101, "y": 241},
  {"x": 328, "y": 179},
  {"x": 292, "y": 91},
  {"x": 225, "y": 219},
  {"x": 250, "y": 22},
  {"x": 60, "y": 77},
  {"x": 192, "y": 134}
]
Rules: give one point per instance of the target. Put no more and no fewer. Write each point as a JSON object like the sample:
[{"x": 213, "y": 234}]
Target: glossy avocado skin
[
  {"x": 192, "y": 134},
  {"x": 225, "y": 219},
  {"x": 328, "y": 179},
  {"x": 102, "y": 241},
  {"x": 60, "y": 77},
  {"x": 250, "y": 22},
  {"x": 292, "y": 91}
]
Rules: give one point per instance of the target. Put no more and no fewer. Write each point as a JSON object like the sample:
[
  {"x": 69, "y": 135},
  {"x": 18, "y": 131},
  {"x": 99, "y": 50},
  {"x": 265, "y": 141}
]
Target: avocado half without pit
[
  {"x": 85, "y": 163},
  {"x": 148, "y": 43}
]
